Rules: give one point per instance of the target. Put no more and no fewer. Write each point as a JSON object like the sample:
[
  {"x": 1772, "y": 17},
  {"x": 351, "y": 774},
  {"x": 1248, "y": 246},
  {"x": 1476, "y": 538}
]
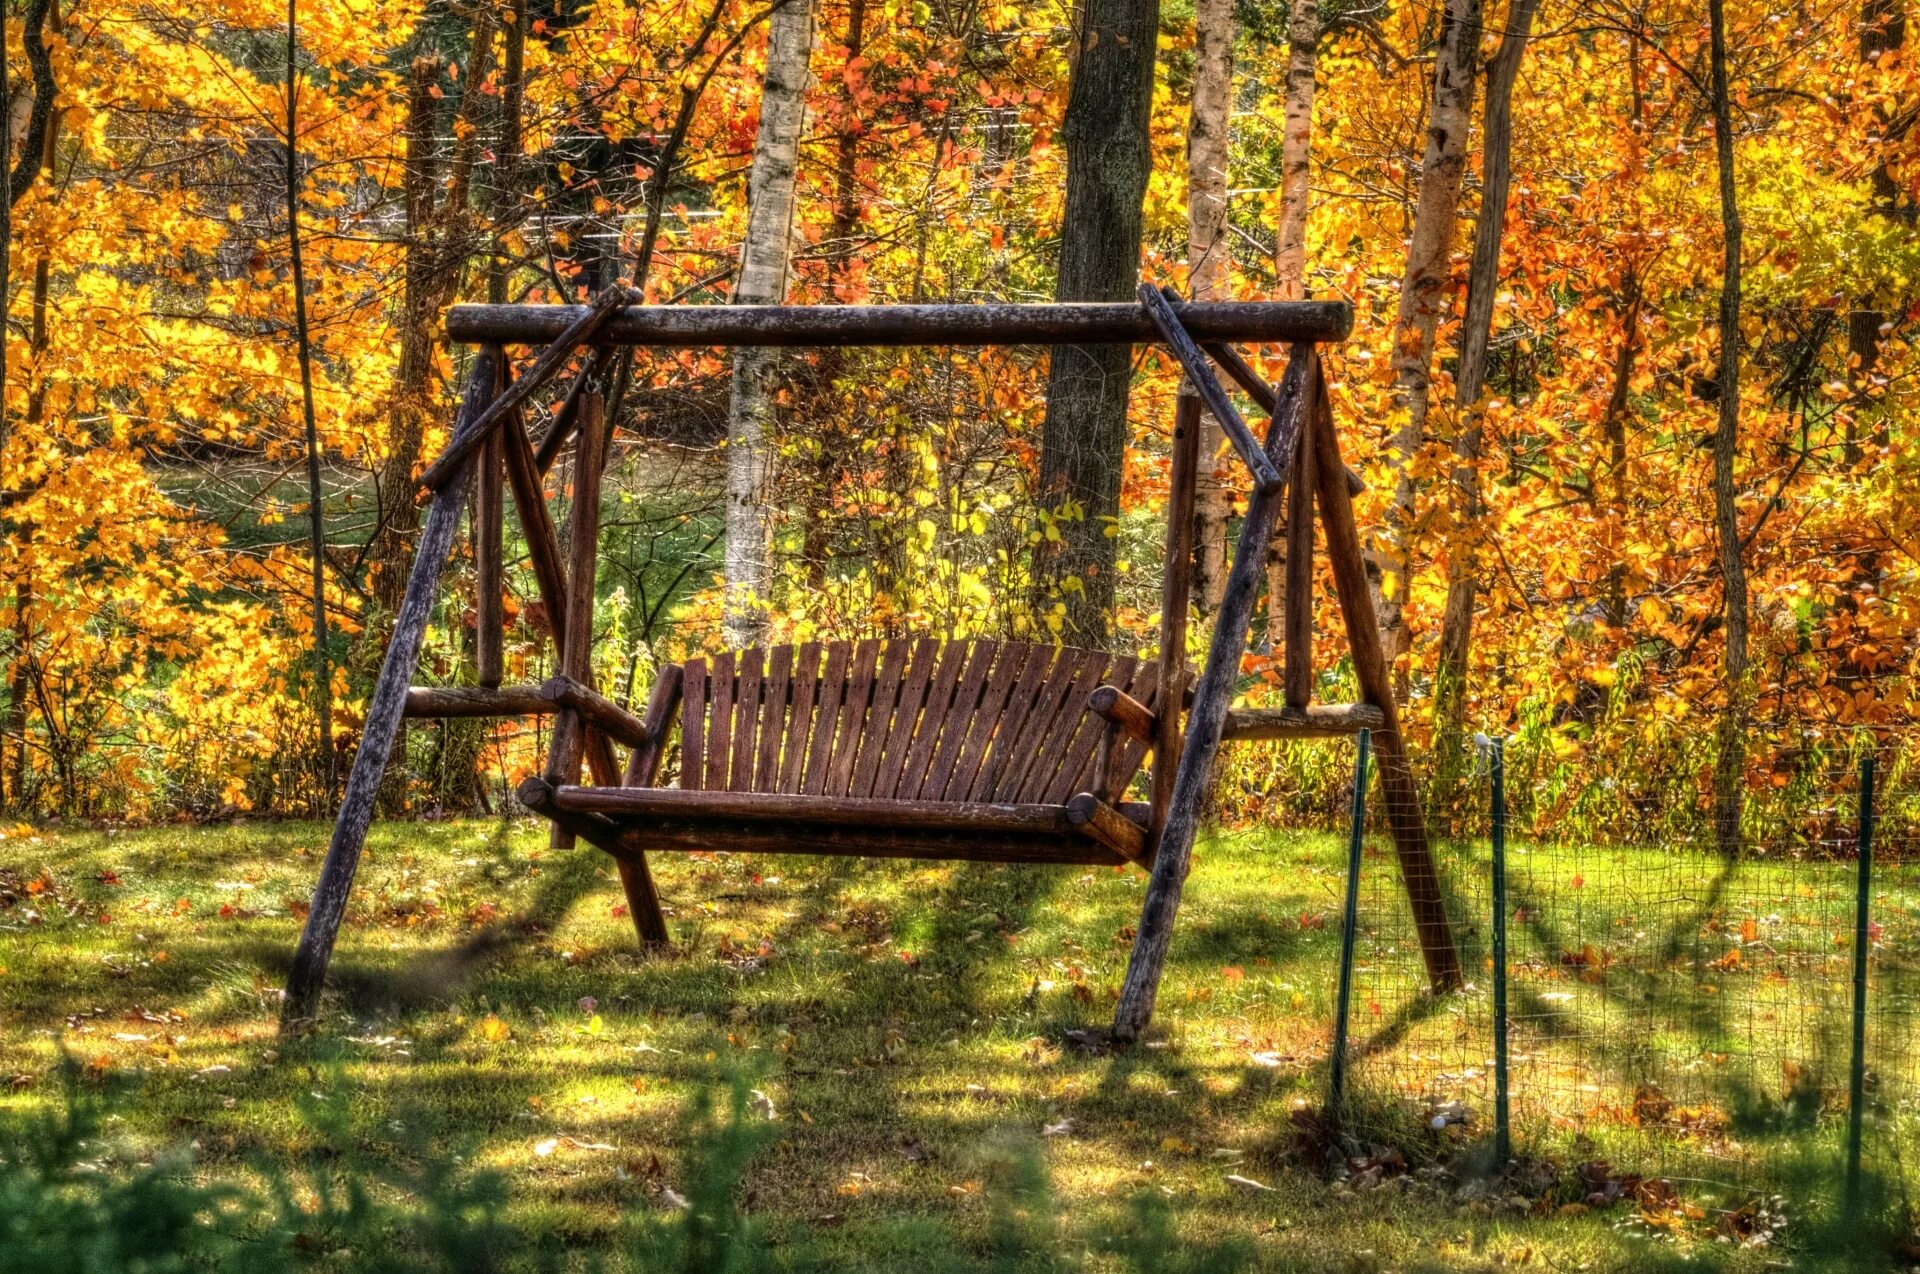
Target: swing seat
[{"x": 965, "y": 749}]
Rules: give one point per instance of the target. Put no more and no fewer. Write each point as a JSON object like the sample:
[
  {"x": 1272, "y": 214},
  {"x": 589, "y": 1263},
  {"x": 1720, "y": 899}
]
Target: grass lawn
[{"x": 911, "y": 1028}]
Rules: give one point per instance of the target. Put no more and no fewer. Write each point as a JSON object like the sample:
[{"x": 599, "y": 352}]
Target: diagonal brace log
[
  {"x": 1206, "y": 719},
  {"x": 310, "y": 959}
]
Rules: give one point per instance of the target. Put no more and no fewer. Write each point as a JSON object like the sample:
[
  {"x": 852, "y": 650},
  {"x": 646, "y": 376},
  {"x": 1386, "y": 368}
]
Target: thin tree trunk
[
  {"x": 1476, "y": 335},
  {"x": 317, "y": 537},
  {"x": 1730, "y": 767},
  {"x": 1209, "y": 263},
  {"x": 764, "y": 259},
  {"x": 1883, "y": 29},
  {"x": 1290, "y": 245},
  {"x": 1423, "y": 295},
  {"x": 1084, "y": 436}
]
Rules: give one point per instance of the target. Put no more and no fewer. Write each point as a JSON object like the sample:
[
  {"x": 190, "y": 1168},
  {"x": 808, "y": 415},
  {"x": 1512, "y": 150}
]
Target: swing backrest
[{"x": 911, "y": 720}]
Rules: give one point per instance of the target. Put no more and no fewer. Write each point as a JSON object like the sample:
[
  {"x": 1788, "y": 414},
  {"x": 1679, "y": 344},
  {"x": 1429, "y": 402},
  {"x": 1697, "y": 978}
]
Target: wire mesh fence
[{"x": 1679, "y": 1021}]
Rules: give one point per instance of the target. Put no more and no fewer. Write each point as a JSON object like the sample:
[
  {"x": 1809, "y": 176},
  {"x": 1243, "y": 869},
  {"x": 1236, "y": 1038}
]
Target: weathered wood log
[
  {"x": 1200, "y": 376},
  {"x": 1315, "y": 721},
  {"x": 584, "y": 322},
  {"x": 547, "y": 450},
  {"x": 307, "y": 977},
  {"x": 1176, "y": 595},
  {"x": 1078, "y": 323},
  {"x": 1242, "y": 374},
  {"x": 601, "y": 713},
  {"x": 1174, "y": 853},
  {"x": 436, "y": 702},
  {"x": 643, "y": 765},
  {"x": 543, "y": 550},
  {"x": 1125, "y": 711},
  {"x": 1297, "y": 605},
  {"x": 583, "y": 561},
  {"x": 1397, "y": 787},
  {"x": 747, "y": 836},
  {"x": 1109, "y": 826},
  {"x": 489, "y": 564},
  {"x": 784, "y": 807}
]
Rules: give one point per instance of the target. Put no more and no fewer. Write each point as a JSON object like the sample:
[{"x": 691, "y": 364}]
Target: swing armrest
[
  {"x": 662, "y": 704},
  {"x": 1122, "y": 709}
]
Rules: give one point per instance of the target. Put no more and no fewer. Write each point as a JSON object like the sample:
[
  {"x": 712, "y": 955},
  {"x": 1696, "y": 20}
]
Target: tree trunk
[
  {"x": 764, "y": 259},
  {"x": 1209, "y": 269},
  {"x": 1476, "y": 335},
  {"x": 1730, "y": 766},
  {"x": 1290, "y": 245},
  {"x": 439, "y": 241},
  {"x": 317, "y": 535},
  {"x": 1883, "y": 29},
  {"x": 1423, "y": 294},
  {"x": 1084, "y": 436}
]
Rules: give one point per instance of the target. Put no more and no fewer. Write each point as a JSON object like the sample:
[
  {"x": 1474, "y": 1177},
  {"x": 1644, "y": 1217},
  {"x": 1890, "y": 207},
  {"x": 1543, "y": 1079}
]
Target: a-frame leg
[
  {"x": 1205, "y": 720},
  {"x": 1397, "y": 787},
  {"x": 310, "y": 959}
]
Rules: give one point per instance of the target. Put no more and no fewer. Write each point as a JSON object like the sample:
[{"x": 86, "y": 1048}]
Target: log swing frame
[{"x": 991, "y": 751}]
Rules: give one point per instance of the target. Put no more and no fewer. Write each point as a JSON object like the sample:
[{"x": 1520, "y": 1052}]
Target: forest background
[{"x": 1644, "y": 503}]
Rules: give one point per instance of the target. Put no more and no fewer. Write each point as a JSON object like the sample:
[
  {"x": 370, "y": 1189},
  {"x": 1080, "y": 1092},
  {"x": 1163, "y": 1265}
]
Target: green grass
[{"x": 913, "y": 1028}]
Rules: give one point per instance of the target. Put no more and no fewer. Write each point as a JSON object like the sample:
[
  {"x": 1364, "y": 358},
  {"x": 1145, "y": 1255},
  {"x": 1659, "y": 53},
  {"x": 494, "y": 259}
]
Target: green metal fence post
[
  {"x": 1350, "y": 923},
  {"x": 1863, "y": 905},
  {"x": 1502, "y": 1128}
]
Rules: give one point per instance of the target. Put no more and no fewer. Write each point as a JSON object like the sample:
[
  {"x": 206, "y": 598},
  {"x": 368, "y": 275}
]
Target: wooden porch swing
[{"x": 959, "y": 749}]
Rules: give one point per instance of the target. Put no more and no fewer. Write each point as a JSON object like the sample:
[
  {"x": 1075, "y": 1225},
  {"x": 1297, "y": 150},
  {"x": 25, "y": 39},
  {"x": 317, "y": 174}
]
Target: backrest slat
[
  {"x": 693, "y": 725},
  {"x": 746, "y": 719},
  {"x": 773, "y": 718},
  {"x": 719, "y": 720},
  {"x": 886, "y": 707},
  {"x": 853, "y": 715},
  {"x": 1007, "y": 769},
  {"x": 1037, "y": 784},
  {"x": 826, "y": 718},
  {"x": 1023, "y": 669},
  {"x": 954, "y": 658},
  {"x": 954, "y": 718},
  {"x": 1012, "y": 720},
  {"x": 806, "y": 690}
]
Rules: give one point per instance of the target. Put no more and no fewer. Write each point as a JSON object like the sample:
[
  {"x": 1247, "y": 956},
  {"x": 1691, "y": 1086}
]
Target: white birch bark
[
  {"x": 764, "y": 259},
  {"x": 1208, "y": 268},
  {"x": 1423, "y": 295}
]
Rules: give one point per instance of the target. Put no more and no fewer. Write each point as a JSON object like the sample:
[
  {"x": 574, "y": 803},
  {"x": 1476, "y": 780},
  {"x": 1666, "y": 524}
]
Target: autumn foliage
[{"x": 154, "y": 579}]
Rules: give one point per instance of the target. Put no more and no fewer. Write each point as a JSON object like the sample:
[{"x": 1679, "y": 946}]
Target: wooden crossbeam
[
  {"x": 583, "y": 326},
  {"x": 1315, "y": 721}
]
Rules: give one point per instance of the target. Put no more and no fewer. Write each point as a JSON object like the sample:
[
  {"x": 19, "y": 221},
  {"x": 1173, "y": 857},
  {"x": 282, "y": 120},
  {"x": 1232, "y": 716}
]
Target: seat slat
[
  {"x": 1007, "y": 767},
  {"x": 881, "y": 711},
  {"x": 719, "y": 720},
  {"x": 773, "y": 718},
  {"x": 693, "y": 725},
  {"x": 746, "y": 719},
  {"x": 1060, "y": 731},
  {"x": 908, "y": 779},
  {"x": 826, "y": 718},
  {"x": 806, "y": 690},
  {"x": 1010, "y": 724}
]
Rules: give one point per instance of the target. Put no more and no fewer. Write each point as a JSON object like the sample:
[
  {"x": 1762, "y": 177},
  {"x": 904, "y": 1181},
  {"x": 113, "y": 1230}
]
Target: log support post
[
  {"x": 1174, "y": 852},
  {"x": 308, "y": 976}
]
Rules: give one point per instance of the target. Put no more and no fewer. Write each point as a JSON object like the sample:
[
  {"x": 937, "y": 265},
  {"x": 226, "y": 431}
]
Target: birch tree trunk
[
  {"x": 764, "y": 259},
  {"x": 1476, "y": 334},
  {"x": 1209, "y": 261},
  {"x": 1730, "y": 766},
  {"x": 1290, "y": 243},
  {"x": 1423, "y": 295}
]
